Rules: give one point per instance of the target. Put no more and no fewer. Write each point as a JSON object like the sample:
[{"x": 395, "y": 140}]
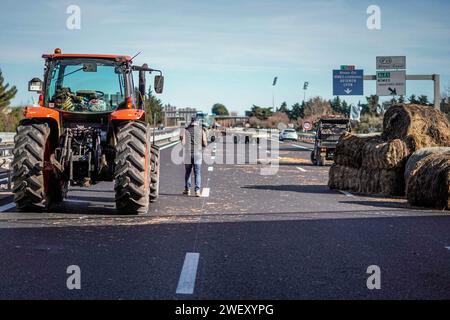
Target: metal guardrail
[{"x": 162, "y": 138}]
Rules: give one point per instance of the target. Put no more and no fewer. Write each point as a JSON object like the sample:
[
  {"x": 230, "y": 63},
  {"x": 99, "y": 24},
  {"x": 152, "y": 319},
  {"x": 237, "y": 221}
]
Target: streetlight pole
[
  {"x": 273, "y": 93},
  {"x": 305, "y": 87}
]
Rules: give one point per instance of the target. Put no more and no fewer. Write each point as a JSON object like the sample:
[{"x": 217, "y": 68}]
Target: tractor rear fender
[
  {"x": 123, "y": 115},
  {"x": 45, "y": 115},
  {"x": 128, "y": 115}
]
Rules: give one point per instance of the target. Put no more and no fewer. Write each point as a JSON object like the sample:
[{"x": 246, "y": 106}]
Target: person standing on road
[{"x": 194, "y": 140}]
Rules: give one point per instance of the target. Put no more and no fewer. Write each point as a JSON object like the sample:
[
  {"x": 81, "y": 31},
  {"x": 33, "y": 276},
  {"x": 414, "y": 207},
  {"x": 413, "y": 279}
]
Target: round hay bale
[
  {"x": 428, "y": 186},
  {"x": 414, "y": 160},
  {"x": 343, "y": 178},
  {"x": 378, "y": 154},
  {"x": 349, "y": 150},
  {"x": 385, "y": 182},
  {"x": 419, "y": 126}
]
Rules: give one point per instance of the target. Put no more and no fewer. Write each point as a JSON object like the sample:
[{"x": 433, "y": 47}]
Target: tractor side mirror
[
  {"x": 159, "y": 84},
  {"x": 35, "y": 85}
]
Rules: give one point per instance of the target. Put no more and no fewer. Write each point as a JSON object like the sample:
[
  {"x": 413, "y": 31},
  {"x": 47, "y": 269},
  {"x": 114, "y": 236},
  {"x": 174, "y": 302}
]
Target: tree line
[{"x": 313, "y": 109}]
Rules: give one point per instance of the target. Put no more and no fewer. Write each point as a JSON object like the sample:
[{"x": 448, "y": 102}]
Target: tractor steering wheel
[{"x": 100, "y": 94}]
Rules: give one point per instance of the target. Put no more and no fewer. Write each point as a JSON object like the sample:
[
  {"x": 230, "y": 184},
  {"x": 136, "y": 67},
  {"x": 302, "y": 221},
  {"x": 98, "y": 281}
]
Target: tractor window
[{"x": 85, "y": 85}]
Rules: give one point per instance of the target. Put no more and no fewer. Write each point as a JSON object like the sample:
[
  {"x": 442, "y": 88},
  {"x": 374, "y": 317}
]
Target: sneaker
[
  {"x": 187, "y": 192},
  {"x": 198, "y": 194}
]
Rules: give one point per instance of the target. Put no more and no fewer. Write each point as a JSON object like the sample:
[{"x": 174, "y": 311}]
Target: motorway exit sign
[
  {"x": 348, "y": 82},
  {"x": 391, "y": 83}
]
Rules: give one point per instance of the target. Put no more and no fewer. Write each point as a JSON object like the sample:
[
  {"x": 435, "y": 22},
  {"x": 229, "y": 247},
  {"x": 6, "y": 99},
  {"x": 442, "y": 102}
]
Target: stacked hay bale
[
  {"x": 376, "y": 165},
  {"x": 369, "y": 165},
  {"x": 427, "y": 176}
]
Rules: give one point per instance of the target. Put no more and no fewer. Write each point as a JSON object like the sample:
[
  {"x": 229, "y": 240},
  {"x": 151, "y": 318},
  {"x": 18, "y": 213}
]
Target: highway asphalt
[{"x": 282, "y": 236}]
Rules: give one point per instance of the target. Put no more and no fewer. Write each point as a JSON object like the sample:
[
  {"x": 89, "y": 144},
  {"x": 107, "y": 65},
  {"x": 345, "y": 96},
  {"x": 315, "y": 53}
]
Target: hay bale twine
[
  {"x": 419, "y": 126},
  {"x": 429, "y": 185},
  {"x": 414, "y": 160}
]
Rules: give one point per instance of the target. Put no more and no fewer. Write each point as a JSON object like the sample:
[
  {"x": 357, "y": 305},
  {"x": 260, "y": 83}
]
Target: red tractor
[{"x": 90, "y": 126}]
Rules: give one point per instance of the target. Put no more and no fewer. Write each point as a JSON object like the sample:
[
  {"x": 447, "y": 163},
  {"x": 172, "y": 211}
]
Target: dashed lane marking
[
  {"x": 169, "y": 145},
  {"x": 210, "y": 169},
  {"x": 301, "y": 169},
  {"x": 7, "y": 206},
  {"x": 301, "y": 147},
  {"x": 348, "y": 194},
  {"x": 186, "y": 283},
  {"x": 205, "y": 192}
]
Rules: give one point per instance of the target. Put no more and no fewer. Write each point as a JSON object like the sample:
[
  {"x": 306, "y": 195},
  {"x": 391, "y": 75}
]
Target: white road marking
[
  {"x": 186, "y": 283},
  {"x": 210, "y": 169},
  {"x": 276, "y": 140},
  {"x": 301, "y": 147},
  {"x": 348, "y": 194},
  {"x": 7, "y": 206},
  {"x": 205, "y": 192},
  {"x": 78, "y": 201},
  {"x": 301, "y": 169},
  {"x": 169, "y": 145},
  {"x": 213, "y": 157}
]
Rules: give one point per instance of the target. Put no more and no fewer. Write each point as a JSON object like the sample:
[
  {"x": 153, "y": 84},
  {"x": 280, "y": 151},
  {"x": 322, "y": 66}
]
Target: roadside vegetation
[{"x": 372, "y": 112}]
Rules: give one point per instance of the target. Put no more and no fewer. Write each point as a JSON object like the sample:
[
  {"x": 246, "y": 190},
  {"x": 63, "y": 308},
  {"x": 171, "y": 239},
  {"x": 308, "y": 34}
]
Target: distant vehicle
[
  {"x": 288, "y": 134},
  {"x": 330, "y": 129}
]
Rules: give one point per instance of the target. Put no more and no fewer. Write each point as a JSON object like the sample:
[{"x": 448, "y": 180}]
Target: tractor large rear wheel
[
  {"x": 132, "y": 174},
  {"x": 35, "y": 184}
]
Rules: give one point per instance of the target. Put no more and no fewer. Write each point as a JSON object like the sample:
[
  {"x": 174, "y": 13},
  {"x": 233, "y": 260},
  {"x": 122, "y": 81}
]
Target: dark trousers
[{"x": 197, "y": 166}]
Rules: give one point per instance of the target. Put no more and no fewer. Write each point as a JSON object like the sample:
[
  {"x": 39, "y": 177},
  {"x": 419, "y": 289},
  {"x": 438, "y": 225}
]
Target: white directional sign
[
  {"x": 391, "y": 83},
  {"x": 394, "y": 62}
]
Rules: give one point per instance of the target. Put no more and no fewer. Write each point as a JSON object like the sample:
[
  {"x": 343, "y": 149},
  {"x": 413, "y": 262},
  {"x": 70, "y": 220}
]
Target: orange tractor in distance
[{"x": 90, "y": 126}]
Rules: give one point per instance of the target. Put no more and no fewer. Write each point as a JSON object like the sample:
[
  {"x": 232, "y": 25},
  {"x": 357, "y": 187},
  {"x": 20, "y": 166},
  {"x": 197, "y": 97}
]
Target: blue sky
[{"x": 229, "y": 51}]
